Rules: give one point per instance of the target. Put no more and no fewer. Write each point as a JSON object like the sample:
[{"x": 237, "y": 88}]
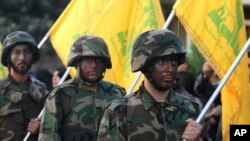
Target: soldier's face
[
  {"x": 164, "y": 73},
  {"x": 21, "y": 58},
  {"x": 92, "y": 69},
  {"x": 55, "y": 78}
]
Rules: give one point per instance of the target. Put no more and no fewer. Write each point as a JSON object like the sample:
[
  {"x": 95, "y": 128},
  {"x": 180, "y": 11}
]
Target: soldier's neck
[
  {"x": 19, "y": 78},
  {"x": 90, "y": 87},
  {"x": 159, "y": 96}
]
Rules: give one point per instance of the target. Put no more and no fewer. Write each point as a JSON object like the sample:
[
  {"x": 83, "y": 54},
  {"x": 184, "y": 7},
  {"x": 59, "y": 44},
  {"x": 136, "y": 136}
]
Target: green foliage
[
  {"x": 35, "y": 17},
  {"x": 195, "y": 60}
]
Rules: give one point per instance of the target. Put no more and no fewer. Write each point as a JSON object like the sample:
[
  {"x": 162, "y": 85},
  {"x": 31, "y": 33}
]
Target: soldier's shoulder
[
  {"x": 64, "y": 87},
  {"x": 188, "y": 100},
  {"x": 3, "y": 82},
  {"x": 116, "y": 104},
  {"x": 183, "y": 97},
  {"x": 4, "y": 79},
  {"x": 108, "y": 86},
  {"x": 38, "y": 82},
  {"x": 187, "y": 96}
]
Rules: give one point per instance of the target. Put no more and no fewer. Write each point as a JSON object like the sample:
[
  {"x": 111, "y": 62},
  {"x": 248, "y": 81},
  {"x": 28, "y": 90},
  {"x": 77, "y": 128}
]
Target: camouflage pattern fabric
[
  {"x": 156, "y": 43},
  {"x": 89, "y": 46},
  {"x": 139, "y": 117},
  {"x": 18, "y": 104},
  {"x": 73, "y": 113}
]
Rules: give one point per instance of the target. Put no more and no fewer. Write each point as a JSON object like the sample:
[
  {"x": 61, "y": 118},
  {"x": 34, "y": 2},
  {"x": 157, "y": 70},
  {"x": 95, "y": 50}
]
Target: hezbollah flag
[
  {"x": 217, "y": 28},
  {"x": 3, "y": 70},
  {"x": 117, "y": 22}
]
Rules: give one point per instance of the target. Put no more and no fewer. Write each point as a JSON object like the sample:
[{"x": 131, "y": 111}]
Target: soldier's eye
[{"x": 167, "y": 61}]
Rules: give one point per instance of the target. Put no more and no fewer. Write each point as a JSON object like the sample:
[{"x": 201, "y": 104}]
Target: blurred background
[{"x": 36, "y": 17}]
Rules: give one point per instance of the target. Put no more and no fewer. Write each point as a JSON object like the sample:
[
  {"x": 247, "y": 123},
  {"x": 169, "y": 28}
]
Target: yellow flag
[
  {"x": 3, "y": 69},
  {"x": 217, "y": 28},
  {"x": 117, "y": 22}
]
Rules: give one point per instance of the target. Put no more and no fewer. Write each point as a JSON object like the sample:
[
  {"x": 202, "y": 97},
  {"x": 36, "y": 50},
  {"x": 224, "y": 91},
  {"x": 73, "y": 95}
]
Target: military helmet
[
  {"x": 153, "y": 44},
  {"x": 89, "y": 46},
  {"x": 18, "y": 37}
]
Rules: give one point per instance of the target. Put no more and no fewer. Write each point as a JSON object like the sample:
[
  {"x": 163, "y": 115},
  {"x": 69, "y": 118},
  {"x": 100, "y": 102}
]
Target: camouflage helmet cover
[
  {"x": 18, "y": 37},
  {"x": 89, "y": 46},
  {"x": 156, "y": 43}
]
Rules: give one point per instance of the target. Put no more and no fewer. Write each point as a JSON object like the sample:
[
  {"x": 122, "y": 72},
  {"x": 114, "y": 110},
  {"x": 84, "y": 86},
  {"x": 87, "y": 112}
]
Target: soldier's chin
[
  {"x": 21, "y": 70},
  {"x": 162, "y": 87},
  {"x": 93, "y": 80}
]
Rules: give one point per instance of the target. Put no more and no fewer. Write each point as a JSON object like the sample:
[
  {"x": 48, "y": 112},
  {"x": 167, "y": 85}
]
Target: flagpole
[
  {"x": 223, "y": 81},
  {"x": 65, "y": 75},
  {"x": 138, "y": 75},
  {"x": 44, "y": 39}
]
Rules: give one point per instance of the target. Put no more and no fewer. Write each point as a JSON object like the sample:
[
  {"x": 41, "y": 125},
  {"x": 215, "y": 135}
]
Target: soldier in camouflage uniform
[
  {"x": 21, "y": 96},
  {"x": 74, "y": 109},
  {"x": 154, "y": 112}
]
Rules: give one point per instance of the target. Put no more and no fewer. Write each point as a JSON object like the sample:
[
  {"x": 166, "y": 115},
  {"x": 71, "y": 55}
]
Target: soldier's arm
[
  {"x": 113, "y": 123},
  {"x": 109, "y": 130},
  {"x": 50, "y": 123},
  {"x": 201, "y": 85}
]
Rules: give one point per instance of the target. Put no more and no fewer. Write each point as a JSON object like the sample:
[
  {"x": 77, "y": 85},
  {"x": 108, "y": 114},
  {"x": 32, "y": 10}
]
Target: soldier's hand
[
  {"x": 34, "y": 126},
  {"x": 192, "y": 131},
  {"x": 207, "y": 70}
]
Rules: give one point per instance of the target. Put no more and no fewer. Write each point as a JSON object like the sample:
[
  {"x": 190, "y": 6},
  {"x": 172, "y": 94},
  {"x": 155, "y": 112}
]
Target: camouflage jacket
[
  {"x": 18, "y": 104},
  {"x": 73, "y": 113},
  {"x": 139, "y": 117}
]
